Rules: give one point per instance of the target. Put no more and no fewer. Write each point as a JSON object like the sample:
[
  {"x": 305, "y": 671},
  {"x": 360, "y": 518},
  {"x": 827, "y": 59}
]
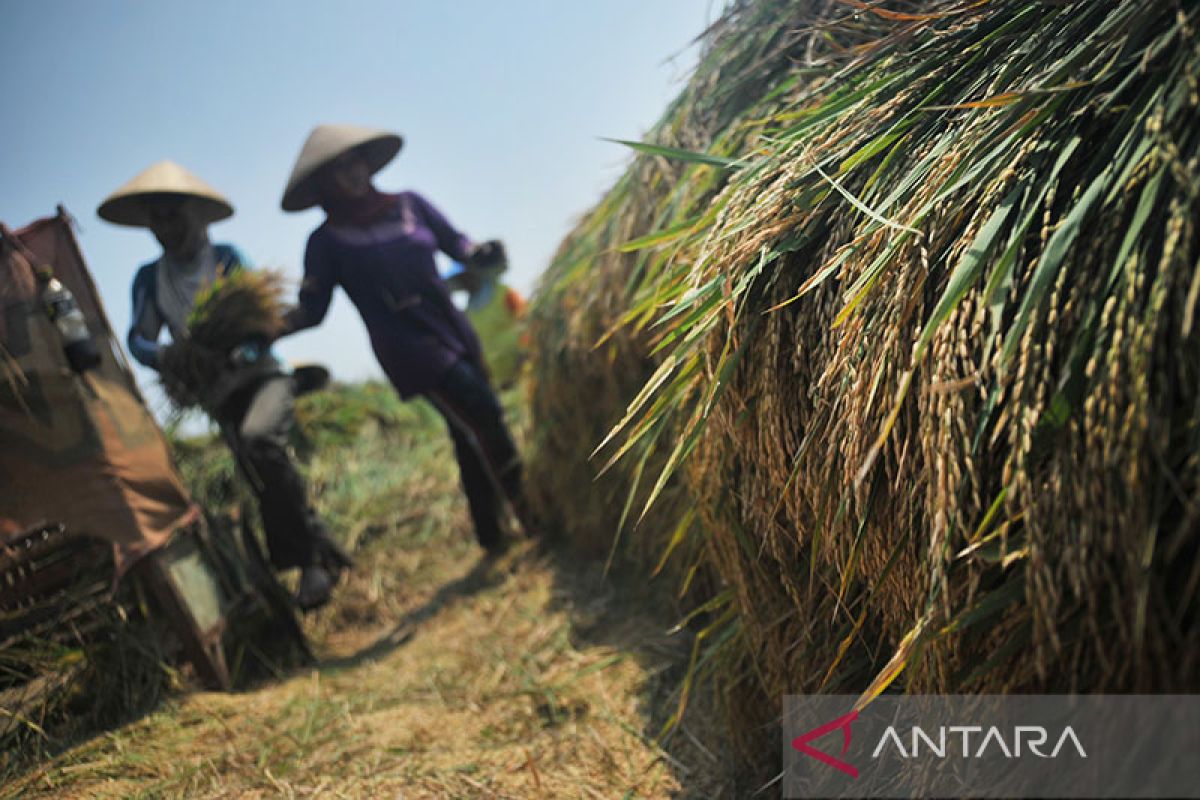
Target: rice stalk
[
  {"x": 243, "y": 306},
  {"x": 930, "y": 382}
]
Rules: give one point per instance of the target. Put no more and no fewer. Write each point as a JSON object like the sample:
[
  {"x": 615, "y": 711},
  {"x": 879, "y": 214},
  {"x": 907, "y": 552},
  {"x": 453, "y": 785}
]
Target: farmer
[
  {"x": 252, "y": 401},
  {"x": 380, "y": 248},
  {"x": 495, "y": 311}
]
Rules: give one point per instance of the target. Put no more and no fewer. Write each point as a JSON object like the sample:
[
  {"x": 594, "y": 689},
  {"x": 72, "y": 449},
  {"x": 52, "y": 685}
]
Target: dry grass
[
  {"x": 441, "y": 674},
  {"x": 491, "y": 696}
]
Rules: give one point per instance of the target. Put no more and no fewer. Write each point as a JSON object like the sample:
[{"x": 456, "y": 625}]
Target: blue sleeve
[
  {"x": 146, "y": 324},
  {"x": 316, "y": 291},
  {"x": 231, "y": 258}
]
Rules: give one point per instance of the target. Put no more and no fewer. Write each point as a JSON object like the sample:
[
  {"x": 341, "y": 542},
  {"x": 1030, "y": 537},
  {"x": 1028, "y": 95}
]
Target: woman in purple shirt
[{"x": 380, "y": 249}]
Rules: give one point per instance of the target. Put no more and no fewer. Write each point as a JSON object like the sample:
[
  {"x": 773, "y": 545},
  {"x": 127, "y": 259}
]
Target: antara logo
[
  {"x": 844, "y": 722},
  {"x": 1024, "y": 739},
  {"x": 1033, "y": 737}
]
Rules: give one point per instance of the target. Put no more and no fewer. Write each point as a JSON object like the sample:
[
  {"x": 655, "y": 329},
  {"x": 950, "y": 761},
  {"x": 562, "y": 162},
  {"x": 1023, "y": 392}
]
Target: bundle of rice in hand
[{"x": 243, "y": 306}]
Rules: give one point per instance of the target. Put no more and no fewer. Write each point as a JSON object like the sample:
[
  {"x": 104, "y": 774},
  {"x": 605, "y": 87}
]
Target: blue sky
[{"x": 501, "y": 104}]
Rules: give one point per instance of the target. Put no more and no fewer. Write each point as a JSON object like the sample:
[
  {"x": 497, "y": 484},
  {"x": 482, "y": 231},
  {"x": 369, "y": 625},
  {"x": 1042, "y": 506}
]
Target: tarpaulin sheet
[{"x": 82, "y": 450}]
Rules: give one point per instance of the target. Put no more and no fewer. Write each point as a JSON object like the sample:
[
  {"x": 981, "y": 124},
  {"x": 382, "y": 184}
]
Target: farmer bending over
[
  {"x": 380, "y": 248},
  {"x": 253, "y": 398}
]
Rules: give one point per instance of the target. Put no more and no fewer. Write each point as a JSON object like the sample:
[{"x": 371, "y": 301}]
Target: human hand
[
  {"x": 488, "y": 255},
  {"x": 246, "y": 353}
]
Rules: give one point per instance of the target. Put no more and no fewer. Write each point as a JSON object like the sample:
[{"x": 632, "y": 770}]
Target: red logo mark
[{"x": 844, "y": 722}]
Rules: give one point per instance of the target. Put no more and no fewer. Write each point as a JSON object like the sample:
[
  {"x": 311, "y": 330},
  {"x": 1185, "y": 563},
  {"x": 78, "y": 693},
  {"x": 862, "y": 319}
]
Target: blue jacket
[{"x": 148, "y": 317}]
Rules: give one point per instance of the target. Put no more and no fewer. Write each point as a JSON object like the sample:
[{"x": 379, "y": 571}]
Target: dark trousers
[
  {"x": 487, "y": 458},
  {"x": 257, "y": 421}
]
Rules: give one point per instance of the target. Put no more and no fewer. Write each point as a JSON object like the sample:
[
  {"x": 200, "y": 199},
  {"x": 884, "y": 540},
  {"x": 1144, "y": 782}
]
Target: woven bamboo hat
[
  {"x": 165, "y": 180},
  {"x": 327, "y": 142}
]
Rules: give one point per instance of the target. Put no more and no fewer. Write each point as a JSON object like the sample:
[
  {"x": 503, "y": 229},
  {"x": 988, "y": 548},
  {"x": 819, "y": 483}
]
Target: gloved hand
[
  {"x": 246, "y": 353},
  {"x": 488, "y": 255}
]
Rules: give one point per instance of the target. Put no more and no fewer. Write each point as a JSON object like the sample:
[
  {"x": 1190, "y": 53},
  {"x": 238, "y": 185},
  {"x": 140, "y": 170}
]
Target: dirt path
[
  {"x": 527, "y": 677},
  {"x": 439, "y": 674}
]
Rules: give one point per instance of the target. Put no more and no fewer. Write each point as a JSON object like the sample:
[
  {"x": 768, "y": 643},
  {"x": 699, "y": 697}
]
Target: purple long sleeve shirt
[{"x": 389, "y": 272}]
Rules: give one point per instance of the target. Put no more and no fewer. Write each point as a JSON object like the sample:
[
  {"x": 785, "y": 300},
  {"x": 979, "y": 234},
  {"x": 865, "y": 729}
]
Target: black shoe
[{"x": 316, "y": 588}]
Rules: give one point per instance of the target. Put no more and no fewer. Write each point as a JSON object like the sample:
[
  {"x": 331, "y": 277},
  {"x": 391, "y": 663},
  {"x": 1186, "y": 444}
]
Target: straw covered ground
[
  {"x": 440, "y": 673},
  {"x": 891, "y": 324}
]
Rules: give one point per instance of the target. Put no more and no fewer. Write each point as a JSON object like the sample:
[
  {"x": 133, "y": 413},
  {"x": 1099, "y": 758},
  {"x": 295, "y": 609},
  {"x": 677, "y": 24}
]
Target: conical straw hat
[
  {"x": 129, "y": 205},
  {"x": 327, "y": 142}
]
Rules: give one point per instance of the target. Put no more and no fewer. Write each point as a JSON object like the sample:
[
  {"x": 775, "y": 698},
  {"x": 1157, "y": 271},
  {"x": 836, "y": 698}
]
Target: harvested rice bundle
[
  {"x": 593, "y": 352},
  {"x": 73, "y": 659},
  {"x": 917, "y": 334},
  {"x": 244, "y": 306},
  {"x": 587, "y": 364},
  {"x": 961, "y": 306}
]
